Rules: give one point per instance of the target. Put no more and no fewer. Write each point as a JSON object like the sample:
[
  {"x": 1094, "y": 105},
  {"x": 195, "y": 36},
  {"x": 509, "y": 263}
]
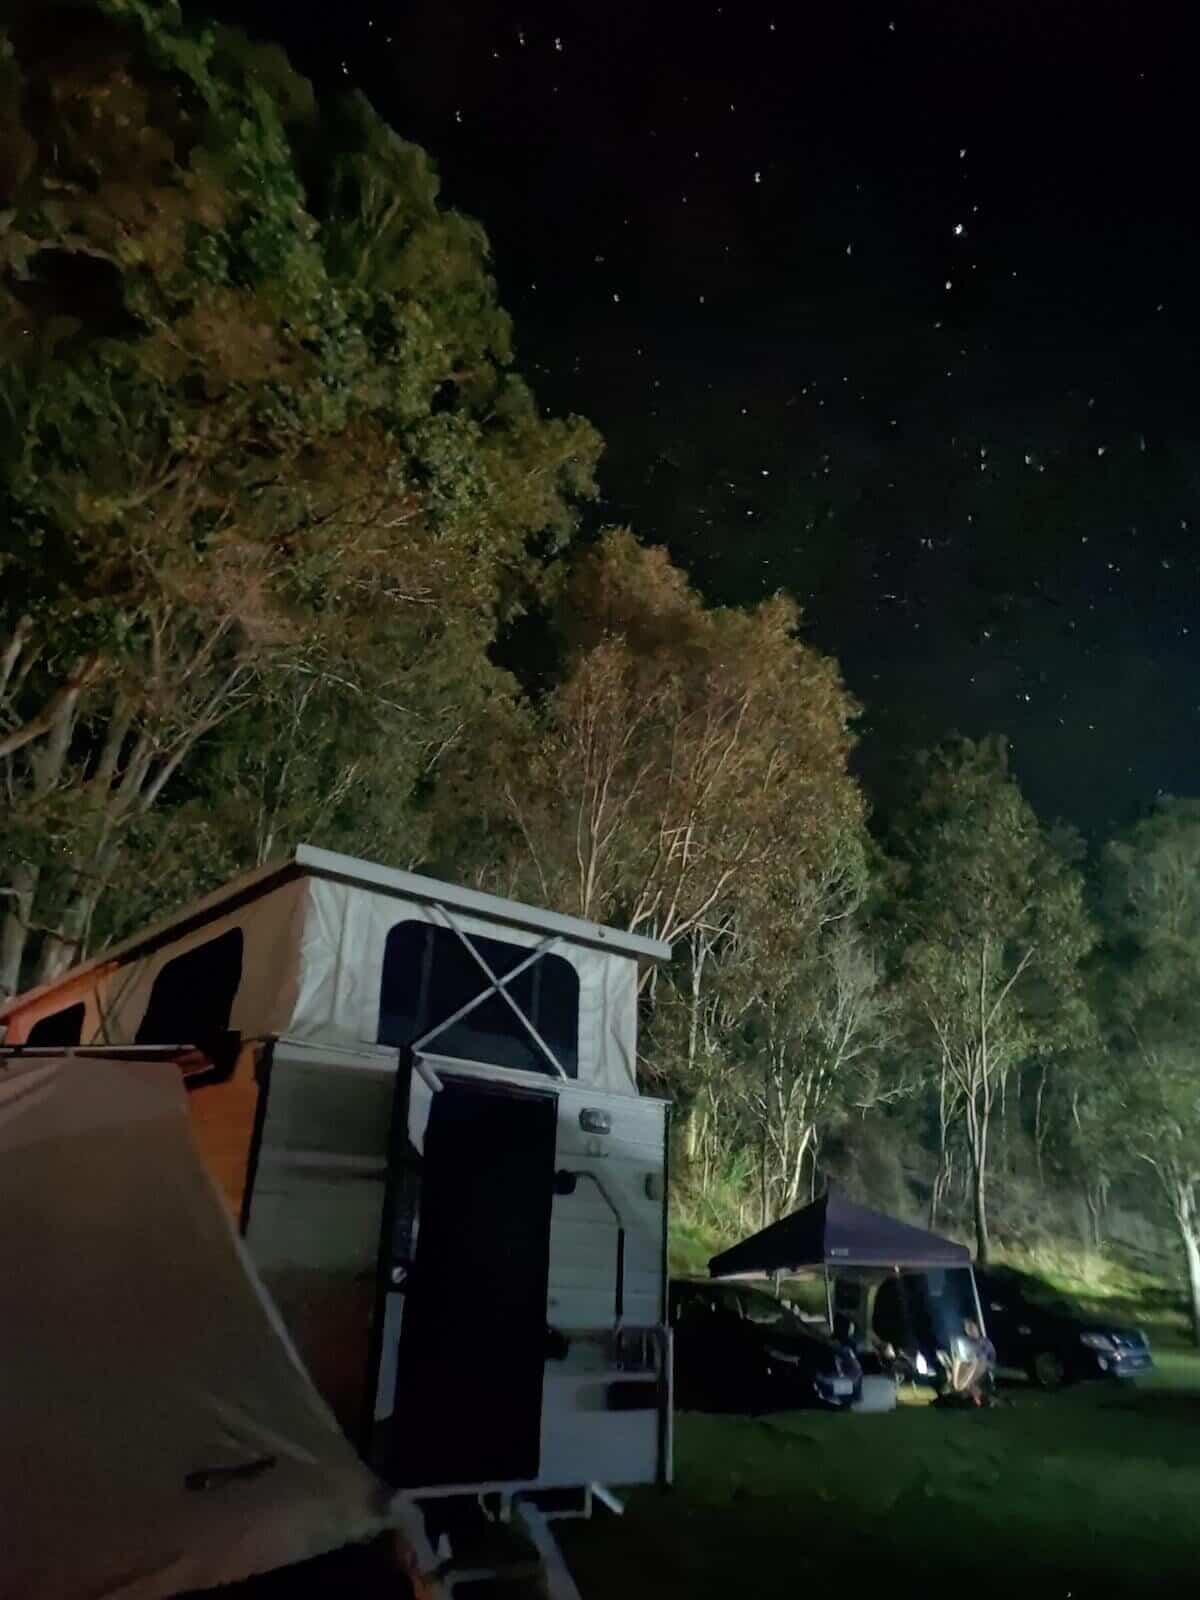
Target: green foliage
[
  {"x": 992, "y": 932},
  {"x": 1152, "y": 899},
  {"x": 259, "y": 429},
  {"x": 682, "y": 750}
]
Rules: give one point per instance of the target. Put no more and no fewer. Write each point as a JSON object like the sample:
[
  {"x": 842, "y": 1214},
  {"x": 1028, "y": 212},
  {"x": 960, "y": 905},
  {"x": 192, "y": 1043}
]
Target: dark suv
[
  {"x": 1052, "y": 1339},
  {"x": 737, "y": 1348}
]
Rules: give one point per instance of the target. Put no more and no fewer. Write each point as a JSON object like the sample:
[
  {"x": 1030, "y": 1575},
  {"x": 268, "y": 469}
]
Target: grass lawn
[{"x": 1092, "y": 1491}]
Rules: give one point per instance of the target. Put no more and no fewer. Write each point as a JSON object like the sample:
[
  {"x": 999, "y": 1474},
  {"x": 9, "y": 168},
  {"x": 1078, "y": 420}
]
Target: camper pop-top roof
[{"x": 328, "y": 950}]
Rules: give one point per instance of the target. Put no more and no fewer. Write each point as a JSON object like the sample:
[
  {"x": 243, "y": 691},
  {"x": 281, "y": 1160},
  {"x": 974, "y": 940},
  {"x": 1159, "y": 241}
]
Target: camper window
[
  {"x": 429, "y": 974},
  {"x": 192, "y": 997},
  {"x": 64, "y": 1027}
]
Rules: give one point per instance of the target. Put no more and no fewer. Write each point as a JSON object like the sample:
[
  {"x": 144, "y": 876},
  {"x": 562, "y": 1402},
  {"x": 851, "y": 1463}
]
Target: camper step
[{"x": 459, "y": 1551}]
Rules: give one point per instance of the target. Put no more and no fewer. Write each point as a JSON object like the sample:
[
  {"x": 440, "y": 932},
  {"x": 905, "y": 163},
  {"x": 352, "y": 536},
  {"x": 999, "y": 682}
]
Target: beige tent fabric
[
  {"x": 140, "y": 1359},
  {"x": 341, "y": 972}
]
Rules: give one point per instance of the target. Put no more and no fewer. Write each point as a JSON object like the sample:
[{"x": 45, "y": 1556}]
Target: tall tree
[
  {"x": 264, "y": 463},
  {"x": 683, "y": 750},
  {"x": 812, "y": 1036},
  {"x": 1152, "y": 882},
  {"x": 993, "y": 930}
]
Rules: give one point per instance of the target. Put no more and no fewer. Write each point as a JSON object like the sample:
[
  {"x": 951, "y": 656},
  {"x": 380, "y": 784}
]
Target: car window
[
  {"x": 724, "y": 1297},
  {"x": 762, "y": 1308},
  {"x": 689, "y": 1303},
  {"x": 700, "y": 1302}
]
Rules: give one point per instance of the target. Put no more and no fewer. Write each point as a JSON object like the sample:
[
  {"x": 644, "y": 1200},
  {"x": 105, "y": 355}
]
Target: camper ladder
[{"x": 442, "y": 1572}]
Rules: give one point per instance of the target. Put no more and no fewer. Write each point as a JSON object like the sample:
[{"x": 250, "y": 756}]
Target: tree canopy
[
  {"x": 264, "y": 449},
  {"x": 993, "y": 930}
]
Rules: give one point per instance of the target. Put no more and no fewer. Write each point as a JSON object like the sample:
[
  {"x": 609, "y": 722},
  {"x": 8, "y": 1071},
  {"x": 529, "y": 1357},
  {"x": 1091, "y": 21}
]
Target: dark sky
[{"x": 891, "y": 306}]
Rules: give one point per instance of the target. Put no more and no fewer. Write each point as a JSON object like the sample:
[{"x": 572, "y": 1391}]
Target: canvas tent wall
[
  {"x": 308, "y": 983},
  {"x": 159, "y": 1433}
]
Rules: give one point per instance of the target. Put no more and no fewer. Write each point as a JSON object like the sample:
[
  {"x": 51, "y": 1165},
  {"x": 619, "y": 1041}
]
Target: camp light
[{"x": 592, "y": 1120}]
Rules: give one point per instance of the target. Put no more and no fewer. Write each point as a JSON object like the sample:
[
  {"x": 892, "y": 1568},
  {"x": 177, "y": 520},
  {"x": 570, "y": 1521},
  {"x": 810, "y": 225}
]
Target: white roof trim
[
  {"x": 310, "y": 861},
  {"x": 414, "y": 886}
]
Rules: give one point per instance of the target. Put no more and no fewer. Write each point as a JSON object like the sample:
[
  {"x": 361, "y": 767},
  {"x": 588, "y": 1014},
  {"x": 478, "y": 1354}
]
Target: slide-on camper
[{"x": 421, "y": 1105}]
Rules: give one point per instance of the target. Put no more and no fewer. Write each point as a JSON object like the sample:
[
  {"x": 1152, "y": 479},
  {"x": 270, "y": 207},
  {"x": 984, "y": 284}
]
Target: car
[
  {"x": 738, "y": 1348},
  {"x": 1051, "y": 1338}
]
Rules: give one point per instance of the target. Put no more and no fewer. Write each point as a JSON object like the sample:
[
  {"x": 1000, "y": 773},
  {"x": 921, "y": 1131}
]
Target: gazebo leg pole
[
  {"x": 978, "y": 1307},
  {"x": 828, "y": 1298}
]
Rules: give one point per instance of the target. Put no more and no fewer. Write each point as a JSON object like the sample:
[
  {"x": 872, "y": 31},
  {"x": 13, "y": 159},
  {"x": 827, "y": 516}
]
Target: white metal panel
[
  {"x": 628, "y": 1162},
  {"x": 584, "y": 1442}
]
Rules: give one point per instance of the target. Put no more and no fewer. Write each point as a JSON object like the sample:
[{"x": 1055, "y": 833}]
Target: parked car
[
  {"x": 738, "y": 1348},
  {"x": 1051, "y": 1338}
]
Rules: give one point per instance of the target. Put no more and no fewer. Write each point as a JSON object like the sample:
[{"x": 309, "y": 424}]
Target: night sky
[{"x": 893, "y": 307}]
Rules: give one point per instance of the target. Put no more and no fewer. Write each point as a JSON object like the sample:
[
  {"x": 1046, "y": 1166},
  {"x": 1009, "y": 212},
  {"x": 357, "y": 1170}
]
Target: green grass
[{"x": 1093, "y": 1491}]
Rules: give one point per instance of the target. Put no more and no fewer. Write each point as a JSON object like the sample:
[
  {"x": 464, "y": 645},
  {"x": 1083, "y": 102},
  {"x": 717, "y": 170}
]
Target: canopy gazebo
[{"x": 833, "y": 1235}]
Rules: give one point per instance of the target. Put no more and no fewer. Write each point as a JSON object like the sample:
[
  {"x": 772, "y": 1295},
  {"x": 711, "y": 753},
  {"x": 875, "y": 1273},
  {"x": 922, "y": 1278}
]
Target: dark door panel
[{"x": 473, "y": 1337}]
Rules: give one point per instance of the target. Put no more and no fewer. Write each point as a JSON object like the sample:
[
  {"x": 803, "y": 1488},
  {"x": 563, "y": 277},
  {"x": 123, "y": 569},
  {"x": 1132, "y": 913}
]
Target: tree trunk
[
  {"x": 983, "y": 1243},
  {"x": 1039, "y": 1125},
  {"x": 942, "y": 1179},
  {"x": 17, "y": 907},
  {"x": 1191, "y": 1245},
  {"x": 762, "y": 1153},
  {"x": 46, "y": 768},
  {"x": 978, "y": 1119},
  {"x": 1189, "y": 1231},
  {"x": 1096, "y": 1195}
]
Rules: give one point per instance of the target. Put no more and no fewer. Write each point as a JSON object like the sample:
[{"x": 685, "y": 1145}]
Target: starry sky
[{"x": 893, "y": 306}]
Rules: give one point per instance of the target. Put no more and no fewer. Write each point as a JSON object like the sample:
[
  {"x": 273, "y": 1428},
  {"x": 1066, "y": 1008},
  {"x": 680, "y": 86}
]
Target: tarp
[
  {"x": 837, "y": 1233},
  {"x": 159, "y": 1433}
]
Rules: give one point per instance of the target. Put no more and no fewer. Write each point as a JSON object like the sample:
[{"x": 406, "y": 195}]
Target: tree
[
  {"x": 812, "y": 1039},
  {"x": 1152, "y": 903},
  {"x": 993, "y": 929},
  {"x": 265, "y": 464},
  {"x": 682, "y": 753}
]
